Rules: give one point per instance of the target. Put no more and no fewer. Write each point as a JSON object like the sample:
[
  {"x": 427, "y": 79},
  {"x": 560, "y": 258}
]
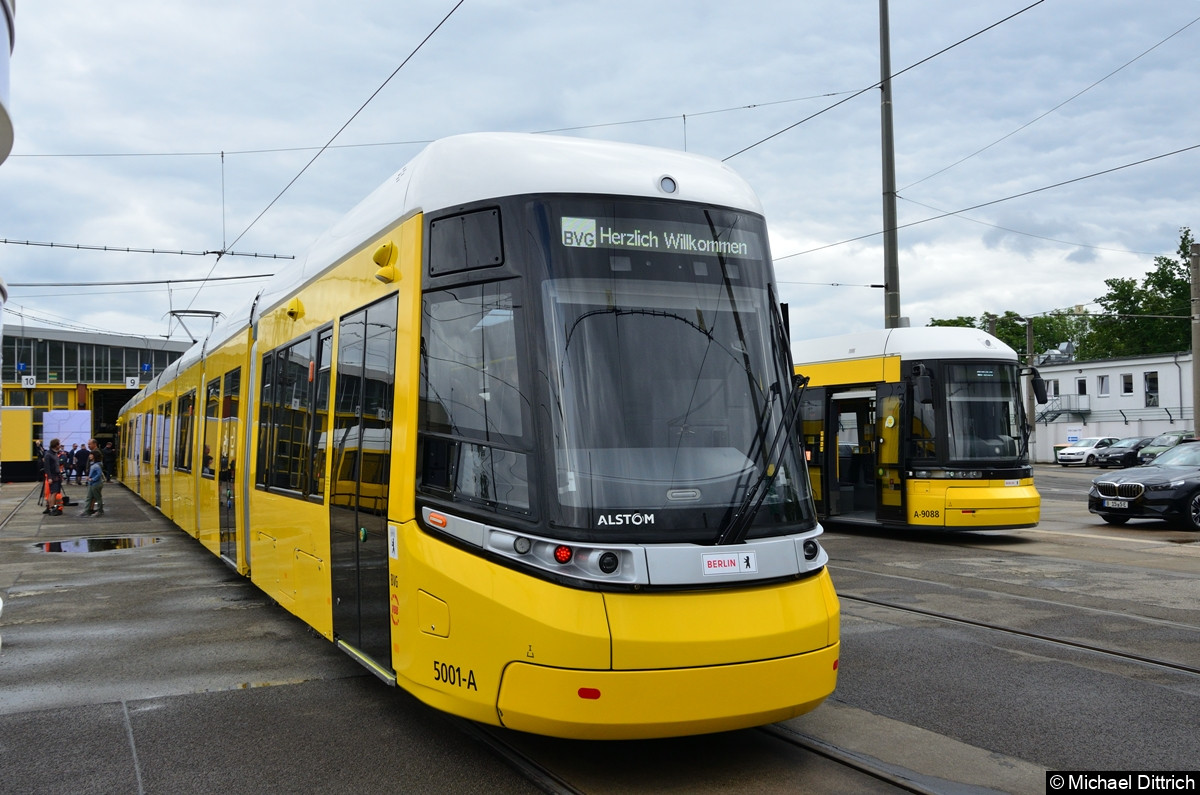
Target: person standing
[
  {"x": 81, "y": 463},
  {"x": 109, "y": 456},
  {"x": 53, "y": 468},
  {"x": 93, "y": 503},
  {"x": 39, "y": 455}
]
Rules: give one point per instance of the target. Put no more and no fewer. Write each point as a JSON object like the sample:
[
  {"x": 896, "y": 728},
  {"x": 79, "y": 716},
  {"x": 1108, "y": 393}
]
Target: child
[{"x": 94, "y": 502}]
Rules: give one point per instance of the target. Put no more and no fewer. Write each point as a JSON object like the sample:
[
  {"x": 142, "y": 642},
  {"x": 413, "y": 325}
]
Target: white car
[{"x": 1084, "y": 451}]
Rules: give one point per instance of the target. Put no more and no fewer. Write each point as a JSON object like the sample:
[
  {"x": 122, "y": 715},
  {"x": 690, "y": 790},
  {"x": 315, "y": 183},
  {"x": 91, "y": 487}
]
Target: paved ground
[{"x": 146, "y": 669}]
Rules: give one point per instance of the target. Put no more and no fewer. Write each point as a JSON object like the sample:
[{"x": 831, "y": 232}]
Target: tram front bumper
[
  {"x": 626, "y": 705},
  {"x": 993, "y": 506}
]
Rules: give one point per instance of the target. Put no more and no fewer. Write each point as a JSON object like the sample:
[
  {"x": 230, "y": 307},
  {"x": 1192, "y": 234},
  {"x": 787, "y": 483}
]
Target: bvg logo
[{"x": 579, "y": 232}]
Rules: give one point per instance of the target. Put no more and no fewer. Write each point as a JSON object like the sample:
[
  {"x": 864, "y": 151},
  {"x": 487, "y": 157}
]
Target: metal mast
[{"x": 891, "y": 264}]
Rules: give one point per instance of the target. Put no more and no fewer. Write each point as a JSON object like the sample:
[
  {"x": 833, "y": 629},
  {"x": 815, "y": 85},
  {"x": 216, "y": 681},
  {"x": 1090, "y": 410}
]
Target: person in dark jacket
[
  {"x": 109, "y": 456},
  {"x": 53, "y": 469},
  {"x": 81, "y": 464}
]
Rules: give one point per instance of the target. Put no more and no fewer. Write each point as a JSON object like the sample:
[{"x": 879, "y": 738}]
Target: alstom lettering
[{"x": 625, "y": 518}]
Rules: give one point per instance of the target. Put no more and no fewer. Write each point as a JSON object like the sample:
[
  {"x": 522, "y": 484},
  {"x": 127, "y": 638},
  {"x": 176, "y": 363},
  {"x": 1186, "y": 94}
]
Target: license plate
[{"x": 1116, "y": 503}]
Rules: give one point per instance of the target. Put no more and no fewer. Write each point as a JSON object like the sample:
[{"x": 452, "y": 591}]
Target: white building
[{"x": 1138, "y": 396}]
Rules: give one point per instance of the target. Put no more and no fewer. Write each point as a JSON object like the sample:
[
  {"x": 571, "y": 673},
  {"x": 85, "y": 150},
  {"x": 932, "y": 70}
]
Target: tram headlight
[
  {"x": 608, "y": 562},
  {"x": 811, "y": 549},
  {"x": 522, "y": 545}
]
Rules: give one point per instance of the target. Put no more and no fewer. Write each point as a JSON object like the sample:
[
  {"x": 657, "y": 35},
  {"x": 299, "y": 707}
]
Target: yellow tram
[
  {"x": 918, "y": 427},
  {"x": 518, "y": 434}
]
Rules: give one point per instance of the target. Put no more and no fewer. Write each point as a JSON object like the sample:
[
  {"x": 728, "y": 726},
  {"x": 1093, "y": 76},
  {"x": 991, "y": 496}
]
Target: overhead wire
[
  {"x": 995, "y": 201},
  {"x": 880, "y": 82},
  {"x": 1019, "y": 232},
  {"x": 851, "y": 95},
  {"x": 340, "y": 130},
  {"x": 276, "y": 150},
  {"x": 1053, "y": 109}
]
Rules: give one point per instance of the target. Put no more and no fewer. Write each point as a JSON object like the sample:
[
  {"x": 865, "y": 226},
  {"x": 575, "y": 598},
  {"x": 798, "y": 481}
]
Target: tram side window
[
  {"x": 147, "y": 438},
  {"x": 361, "y": 423},
  {"x": 291, "y": 420},
  {"x": 266, "y": 416},
  {"x": 212, "y": 420},
  {"x": 471, "y": 409},
  {"x": 321, "y": 412},
  {"x": 227, "y": 461},
  {"x": 184, "y": 438},
  {"x": 923, "y": 434},
  {"x": 163, "y": 431}
]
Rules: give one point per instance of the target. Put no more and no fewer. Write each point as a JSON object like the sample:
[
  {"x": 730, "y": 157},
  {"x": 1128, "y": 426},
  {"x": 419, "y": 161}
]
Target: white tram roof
[
  {"x": 474, "y": 167},
  {"x": 930, "y": 342}
]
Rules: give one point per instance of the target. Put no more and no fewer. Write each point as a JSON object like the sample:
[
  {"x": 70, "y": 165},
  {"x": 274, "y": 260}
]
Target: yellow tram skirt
[
  {"x": 994, "y": 505},
  {"x": 606, "y": 705}
]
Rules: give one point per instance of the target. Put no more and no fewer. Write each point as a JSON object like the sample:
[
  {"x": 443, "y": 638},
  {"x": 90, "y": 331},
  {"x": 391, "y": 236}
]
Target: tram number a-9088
[
  {"x": 927, "y": 514},
  {"x": 453, "y": 675}
]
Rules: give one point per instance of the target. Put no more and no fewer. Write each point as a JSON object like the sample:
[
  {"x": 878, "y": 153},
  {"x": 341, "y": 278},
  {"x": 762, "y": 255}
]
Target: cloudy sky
[{"x": 170, "y": 125}]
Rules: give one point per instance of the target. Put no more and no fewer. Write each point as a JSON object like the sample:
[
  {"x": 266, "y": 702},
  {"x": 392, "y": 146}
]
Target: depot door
[{"x": 361, "y": 438}]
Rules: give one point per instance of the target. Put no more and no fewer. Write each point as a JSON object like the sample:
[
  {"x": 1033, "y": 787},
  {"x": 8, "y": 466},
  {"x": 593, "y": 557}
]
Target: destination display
[{"x": 652, "y": 235}]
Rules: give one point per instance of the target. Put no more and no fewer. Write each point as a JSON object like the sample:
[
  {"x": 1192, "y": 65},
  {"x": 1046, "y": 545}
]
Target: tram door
[
  {"x": 361, "y": 438},
  {"x": 812, "y": 429},
  {"x": 889, "y": 440},
  {"x": 851, "y": 426}
]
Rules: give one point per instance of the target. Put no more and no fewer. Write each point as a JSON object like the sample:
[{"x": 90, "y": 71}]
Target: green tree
[
  {"x": 959, "y": 322},
  {"x": 1151, "y": 317},
  {"x": 1010, "y": 328}
]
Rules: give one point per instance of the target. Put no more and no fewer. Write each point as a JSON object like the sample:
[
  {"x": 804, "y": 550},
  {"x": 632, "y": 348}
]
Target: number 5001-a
[{"x": 453, "y": 675}]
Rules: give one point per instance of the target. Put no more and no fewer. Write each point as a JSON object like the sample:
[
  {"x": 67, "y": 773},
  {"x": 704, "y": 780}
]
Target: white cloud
[{"x": 172, "y": 77}]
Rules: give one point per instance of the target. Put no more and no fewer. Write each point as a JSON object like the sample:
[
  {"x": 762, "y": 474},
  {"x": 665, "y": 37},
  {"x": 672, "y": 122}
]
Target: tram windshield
[
  {"x": 668, "y": 373},
  {"x": 984, "y": 418}
]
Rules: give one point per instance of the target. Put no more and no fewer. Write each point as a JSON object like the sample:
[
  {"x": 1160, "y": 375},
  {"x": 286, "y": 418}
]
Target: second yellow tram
[{"x": 918, "y": 427}]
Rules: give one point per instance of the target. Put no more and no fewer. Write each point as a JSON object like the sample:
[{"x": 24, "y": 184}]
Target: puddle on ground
[{"x": 84, "y": 545}]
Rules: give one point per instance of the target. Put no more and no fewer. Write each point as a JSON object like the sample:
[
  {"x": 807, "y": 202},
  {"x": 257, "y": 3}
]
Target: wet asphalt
[{"x": 132, "y": 660}]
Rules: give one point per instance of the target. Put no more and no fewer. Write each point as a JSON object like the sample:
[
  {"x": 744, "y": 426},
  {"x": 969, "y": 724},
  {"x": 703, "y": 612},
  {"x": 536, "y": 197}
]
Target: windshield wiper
[{"x": 739, "y": 522}]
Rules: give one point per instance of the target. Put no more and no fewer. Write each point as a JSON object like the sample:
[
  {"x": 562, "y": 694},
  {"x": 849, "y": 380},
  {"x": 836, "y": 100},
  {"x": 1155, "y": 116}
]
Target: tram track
[
  {"x": 9, "y": 514},
  {"x": 1114, "y": 653},
  {"x": 544, "y": 777},
  {"x": 535, "y": 772},
  {"x": 901, "y": 779}
]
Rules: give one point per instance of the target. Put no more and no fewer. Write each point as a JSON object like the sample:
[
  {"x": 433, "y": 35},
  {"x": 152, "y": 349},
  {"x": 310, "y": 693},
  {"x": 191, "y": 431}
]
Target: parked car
[
  {"x": 1166, "y": 488},
  {"x": 1164, "y": 441},
  {"x": 1123, "y": 453},
  {"x": 1085, "y": 450}
]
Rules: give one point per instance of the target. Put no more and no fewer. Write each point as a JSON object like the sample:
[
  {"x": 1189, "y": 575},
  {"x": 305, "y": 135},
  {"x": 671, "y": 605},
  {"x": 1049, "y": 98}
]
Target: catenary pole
[
  {"x": 1195, "y": 278},
  {"x": 891, "y": 264}
]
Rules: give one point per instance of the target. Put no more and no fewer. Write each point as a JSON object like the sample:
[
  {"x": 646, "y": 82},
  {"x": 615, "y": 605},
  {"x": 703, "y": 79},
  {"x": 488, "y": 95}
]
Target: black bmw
[{"x": 1166, "y": 488}]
